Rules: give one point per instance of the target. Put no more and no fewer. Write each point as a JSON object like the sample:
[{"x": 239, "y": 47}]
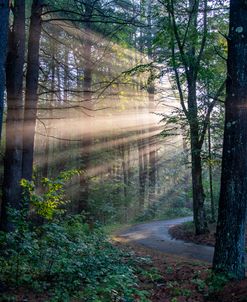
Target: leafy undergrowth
[
  {"x": 175, "y": 279},
  {"x": 66, "y": 261}
]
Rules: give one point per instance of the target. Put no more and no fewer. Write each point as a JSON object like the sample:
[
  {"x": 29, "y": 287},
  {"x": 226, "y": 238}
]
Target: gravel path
[{"x": 155, "y": 235}]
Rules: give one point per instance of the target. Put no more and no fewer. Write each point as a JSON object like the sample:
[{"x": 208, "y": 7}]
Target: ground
[
  {"x": 155, "y": 235},
  {"x": 172, "y": 278},
  {"x": 185, "y": 232},
  {"x": 183, "y": 265}
]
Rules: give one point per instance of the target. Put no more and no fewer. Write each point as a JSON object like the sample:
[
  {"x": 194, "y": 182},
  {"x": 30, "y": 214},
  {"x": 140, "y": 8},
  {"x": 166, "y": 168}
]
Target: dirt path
[{"x": 155, "y": 235}]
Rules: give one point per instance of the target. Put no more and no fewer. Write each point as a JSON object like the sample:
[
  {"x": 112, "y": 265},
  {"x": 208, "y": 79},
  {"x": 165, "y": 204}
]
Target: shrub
[{"x": 64, "y": 258}]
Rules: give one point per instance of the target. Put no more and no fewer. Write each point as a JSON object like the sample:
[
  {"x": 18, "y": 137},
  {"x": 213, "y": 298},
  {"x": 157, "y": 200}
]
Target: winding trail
[{"x": 155, "y": 235}]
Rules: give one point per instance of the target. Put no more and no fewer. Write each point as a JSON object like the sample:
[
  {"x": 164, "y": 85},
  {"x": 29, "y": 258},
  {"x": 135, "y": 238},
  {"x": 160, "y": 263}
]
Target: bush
[
  {"x": 67, "y": 259},
  {"x": 64, "y": 258}
]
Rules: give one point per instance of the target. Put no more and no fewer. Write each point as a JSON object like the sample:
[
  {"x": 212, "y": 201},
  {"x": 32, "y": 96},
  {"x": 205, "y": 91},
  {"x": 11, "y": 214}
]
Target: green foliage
[
  {"x": 189, "y": 226},
  {"x": 152, "y": 274},
  {"x": 216, "y": 282},
  {"x": 172, "y": 207},
  {"x": 53, "y": 197},
  {"x": 66, "y": 259},
  {"x": 176, "y": 290},
  {"x": 201, "y": 284},
  {"x": 108, "y": 202}
]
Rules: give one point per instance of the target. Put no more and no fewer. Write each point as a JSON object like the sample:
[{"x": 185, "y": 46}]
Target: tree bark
[
  {"x": 4, "y": 17},
  {"x": 196, "y": 164},
  {"x": 31, "y": 97},
  {"x": 210, "y": 172},
  {"x": 190, "y": 58},
  {"x": 14, "y": 123},
  {"x": 87, "y": 98},
  {"x": 229, "y": 256},
  {"x": 151, "y": 93},
  {"x": 152, "y": 149},
  {"x": 143, "y": 171}
]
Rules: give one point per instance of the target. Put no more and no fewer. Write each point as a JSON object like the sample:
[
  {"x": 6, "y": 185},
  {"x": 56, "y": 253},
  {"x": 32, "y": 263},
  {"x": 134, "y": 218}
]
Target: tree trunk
[
  {"x": 66, "y": 73},
  {"x": 141, "y": 177},
  {"x": 210, "y": 172},
  {"x": 87, "y": 98},
  {"x": 196, "y": 165},
  {"x": 152, "y": 149},
  {"x": 14, "y": 123},
  {"x": 4, "y": 17},
  {"x": 31, "y": 97},
  {"x": 229, "y": 256},
  {"x": 151, "y": 92},
  {"x": 125, "y": 171},
  {"x": 50, "y": 106},
  {"x": 143, "y": 170}
]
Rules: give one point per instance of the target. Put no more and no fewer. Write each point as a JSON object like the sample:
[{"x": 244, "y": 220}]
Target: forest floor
[
  {"x": 172, "y": 277},
  {"x": 185, "y": 232}
]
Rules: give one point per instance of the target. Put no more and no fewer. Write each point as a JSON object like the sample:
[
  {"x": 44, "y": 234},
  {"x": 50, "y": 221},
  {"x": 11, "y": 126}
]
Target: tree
[
  {"x": 87, "y": 140},
  {"x": 191, "y": 37},
  {"x": 229, "y": 256},
  {"x": 4, "y": 17},
  {"x": 191, "y": 58},
  {"x": 31, "y": 96},
  {"x": 14, "y": 82}
]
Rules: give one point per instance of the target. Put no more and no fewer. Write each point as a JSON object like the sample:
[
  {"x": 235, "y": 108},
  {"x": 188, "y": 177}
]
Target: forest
[{"x": 123, "y": 167}]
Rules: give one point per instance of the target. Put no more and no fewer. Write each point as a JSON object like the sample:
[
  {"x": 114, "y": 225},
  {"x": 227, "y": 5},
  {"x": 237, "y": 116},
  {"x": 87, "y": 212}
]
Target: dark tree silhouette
[
  {"x": 31, "y": 97},
  {"x": 4, "y": 17},
  {"x": 229, "y": 256},
  {"x": 14, "y": 81}
]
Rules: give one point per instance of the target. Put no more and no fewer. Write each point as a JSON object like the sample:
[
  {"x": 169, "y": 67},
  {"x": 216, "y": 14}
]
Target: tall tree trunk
[
  {"x": 151, "y": 92},
  {"x": 229, "y": 256},
  {"x": 50, "y": 105},
  {"x": 66, "y": 73},
  {"x": 152, "y": 149},
  {"x": 124, "y": 169},
  {"x": 210, "y": 172},
  {"x": 14, "y": 123},
  {"x": 87, "y": 97},
  {"x": 186, "y": 178},
  {"x": 31, "y": 97},
  {"x": 196, "y": 164},
  {"x": 4, "y": 17},
  {"x": 143, "y": 171}
]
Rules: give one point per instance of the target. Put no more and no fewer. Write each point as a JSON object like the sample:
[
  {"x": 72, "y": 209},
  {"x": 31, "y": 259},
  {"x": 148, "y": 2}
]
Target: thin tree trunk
[
  {"x": 210, "y": 172},
  {"x": 229, "y": 257},
  {"x": 151, "y": 92},
  {"x": 4, "y": 17},
  {"x": 87, "y": 96},
  {"x": 49, "y": 123},
  {"x": 125, "y": 170},
  {"x": 143, "y": 172},
  {"x": 66, "y": 72},
  {"x": 152, "y": 150},
  {"x": 196, "y": 164},
  {"x": 14, "y": 123},
  {"x": 31, "y": 97},
  {"x": 186, "y": 177}
]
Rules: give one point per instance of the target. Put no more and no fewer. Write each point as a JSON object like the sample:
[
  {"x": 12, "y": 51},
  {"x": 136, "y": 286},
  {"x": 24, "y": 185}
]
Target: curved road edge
[{"x": 155, "y": 235}]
